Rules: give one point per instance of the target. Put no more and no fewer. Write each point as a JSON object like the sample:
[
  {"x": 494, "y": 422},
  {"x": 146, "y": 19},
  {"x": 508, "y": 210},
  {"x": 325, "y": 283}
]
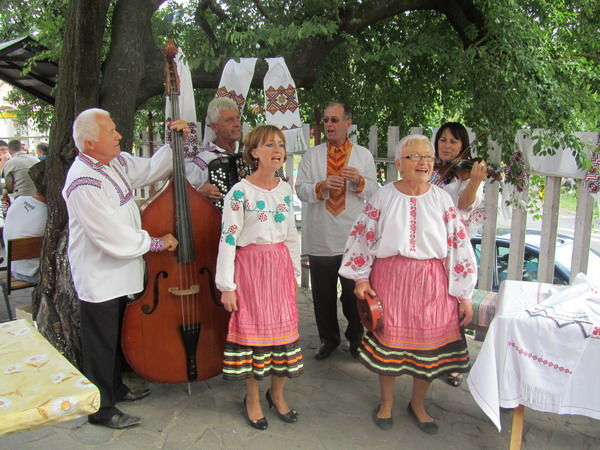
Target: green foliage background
[{"x": 535, "y": 67}]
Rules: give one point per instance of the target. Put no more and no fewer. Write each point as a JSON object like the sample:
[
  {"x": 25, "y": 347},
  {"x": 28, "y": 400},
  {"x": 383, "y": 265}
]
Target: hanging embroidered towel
[
  {"x": 187, "y": 106},
  {"x": 235, "y": 83},
  {"x": 282, "y": 108}
]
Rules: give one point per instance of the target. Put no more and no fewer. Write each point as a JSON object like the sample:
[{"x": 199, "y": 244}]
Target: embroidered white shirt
[
  {"x": 106, "y": 242},
  {"x": 326, "y": 234}
]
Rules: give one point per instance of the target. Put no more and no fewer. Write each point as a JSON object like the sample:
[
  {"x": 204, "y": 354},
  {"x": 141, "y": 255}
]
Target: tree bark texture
[{"x": 55, "y": 303}]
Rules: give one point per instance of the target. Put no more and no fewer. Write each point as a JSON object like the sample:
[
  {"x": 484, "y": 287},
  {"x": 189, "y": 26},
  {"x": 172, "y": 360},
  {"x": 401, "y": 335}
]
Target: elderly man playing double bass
[{"x": 106, "y": 244}]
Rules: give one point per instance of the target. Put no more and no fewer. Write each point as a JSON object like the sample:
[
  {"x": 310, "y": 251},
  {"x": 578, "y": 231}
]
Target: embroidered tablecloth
[
  {"x": 38, "y": 386},
  {"x": 519, "y": 363}
]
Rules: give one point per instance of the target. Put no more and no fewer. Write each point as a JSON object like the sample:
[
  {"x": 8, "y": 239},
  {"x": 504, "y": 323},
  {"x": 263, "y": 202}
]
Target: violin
[{"x": 460, "y": 167}]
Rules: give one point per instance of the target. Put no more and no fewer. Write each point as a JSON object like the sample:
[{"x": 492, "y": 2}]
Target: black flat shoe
[
  {"x": 384, "y": 423},
  {"x": 427, "y": 427},
  {"x": 290, "y": 417},
  {"x": 117, "y": 421},
  {"x": 135, "y": 395},
  {"x": 323, "y": 352},
  {"x": 260, "y": 424}
]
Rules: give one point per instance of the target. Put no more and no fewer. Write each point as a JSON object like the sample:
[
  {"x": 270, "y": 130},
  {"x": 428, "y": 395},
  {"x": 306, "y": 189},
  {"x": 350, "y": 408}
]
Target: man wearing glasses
[{"x": 335, "y": 179}]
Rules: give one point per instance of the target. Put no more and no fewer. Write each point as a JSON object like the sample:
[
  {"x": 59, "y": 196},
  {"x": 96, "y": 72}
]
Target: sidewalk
[{"x": 334, "y": 398}]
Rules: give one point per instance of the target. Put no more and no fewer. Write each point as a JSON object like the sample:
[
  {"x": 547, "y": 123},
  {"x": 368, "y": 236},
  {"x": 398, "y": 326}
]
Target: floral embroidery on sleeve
[
  {"x": 357, "y": 261},
  {"x": 372, "y": 212},
  {"x": 450, "y": 215},
  {"x": 458, "y": 238},
  {"x": 462, "y": 269}
]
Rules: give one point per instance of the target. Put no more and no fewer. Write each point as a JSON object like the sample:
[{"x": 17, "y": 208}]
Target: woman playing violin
[
  {"x": 455, "y": 173},
  {"x": 451, "y": 171}
]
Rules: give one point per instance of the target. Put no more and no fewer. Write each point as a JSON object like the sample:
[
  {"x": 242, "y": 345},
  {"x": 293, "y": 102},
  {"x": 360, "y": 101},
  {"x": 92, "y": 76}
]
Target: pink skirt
[
  {"x": 418, "y": 312},
  {"x": 267, "y": 312}
]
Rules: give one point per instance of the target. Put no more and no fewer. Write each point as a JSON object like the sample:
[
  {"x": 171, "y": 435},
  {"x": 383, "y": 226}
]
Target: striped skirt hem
[
  {"x": 244, "y": 362},
  {"x": 424, "y": 364}
]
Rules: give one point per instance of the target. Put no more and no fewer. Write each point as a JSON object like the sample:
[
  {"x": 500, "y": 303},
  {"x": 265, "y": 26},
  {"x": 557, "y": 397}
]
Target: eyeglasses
[
  {"x": 330, "y": 119},
  {"x": 418, "y": 158}
]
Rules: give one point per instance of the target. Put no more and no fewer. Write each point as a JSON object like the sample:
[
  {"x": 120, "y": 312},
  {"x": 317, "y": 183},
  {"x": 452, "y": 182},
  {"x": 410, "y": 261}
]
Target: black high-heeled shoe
[
  {"x": 260, "y": 424},
  {"x": 290, "y": 417}
]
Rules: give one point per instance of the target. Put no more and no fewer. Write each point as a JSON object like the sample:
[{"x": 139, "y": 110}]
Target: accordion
[{"x": 225, "y": 171}]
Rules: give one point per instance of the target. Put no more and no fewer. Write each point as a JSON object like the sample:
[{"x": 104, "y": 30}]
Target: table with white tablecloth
[{"x": 542, "y": 350}]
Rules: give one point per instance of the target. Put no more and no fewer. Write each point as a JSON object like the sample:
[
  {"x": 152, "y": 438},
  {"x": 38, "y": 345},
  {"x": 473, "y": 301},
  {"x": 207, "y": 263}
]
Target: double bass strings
[{"x": 186, "y": 252}]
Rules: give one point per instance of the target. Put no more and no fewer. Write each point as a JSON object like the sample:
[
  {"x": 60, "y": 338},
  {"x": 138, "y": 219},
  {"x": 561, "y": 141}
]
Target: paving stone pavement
[{"x": 335, "y": 399}]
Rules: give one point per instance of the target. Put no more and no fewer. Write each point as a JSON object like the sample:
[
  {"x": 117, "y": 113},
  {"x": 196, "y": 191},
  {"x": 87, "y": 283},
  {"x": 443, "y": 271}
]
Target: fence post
[
  {"x": 583, "y": 230},
  {"x": 373, "y": 140},
  {"x": 549, "y": 229},
  {"x": 488, "y": 238},
  {"x": 391, "y": 173},
  {"x": 518, "y": 229}
]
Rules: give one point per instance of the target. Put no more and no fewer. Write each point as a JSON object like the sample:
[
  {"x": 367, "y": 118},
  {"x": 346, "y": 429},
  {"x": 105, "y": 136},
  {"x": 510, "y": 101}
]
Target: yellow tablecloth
[{"x": 38, "y": 386}]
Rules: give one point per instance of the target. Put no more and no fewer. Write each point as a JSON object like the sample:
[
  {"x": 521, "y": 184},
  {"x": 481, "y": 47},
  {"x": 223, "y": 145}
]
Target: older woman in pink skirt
[
  {"x": 259, "y": 259},
  {"x": 411, "y": 249}
]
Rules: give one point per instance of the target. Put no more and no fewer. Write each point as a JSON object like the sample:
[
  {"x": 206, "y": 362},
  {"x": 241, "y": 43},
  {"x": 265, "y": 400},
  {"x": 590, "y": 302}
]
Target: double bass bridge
[{"x": 192, "y": 290}]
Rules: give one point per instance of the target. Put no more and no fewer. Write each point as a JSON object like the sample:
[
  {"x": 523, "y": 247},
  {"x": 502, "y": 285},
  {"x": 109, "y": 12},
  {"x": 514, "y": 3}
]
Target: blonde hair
[{"x": 256, "y": 138}]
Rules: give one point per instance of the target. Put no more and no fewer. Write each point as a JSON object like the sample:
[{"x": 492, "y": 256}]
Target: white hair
[
  {"x": 86, "y": 128},
  {"x": 218, "y": 105},
  {"x": 410, "y": 139}
]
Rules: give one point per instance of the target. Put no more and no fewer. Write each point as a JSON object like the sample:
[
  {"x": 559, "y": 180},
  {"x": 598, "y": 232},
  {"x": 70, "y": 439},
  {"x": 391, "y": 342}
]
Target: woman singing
[
  {"x": 259, "y": 259},
  {"x": 410, "y": 248}
]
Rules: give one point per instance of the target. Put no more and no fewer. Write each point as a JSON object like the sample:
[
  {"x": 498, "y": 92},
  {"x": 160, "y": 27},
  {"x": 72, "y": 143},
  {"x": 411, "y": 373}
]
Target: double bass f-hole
[{"x": 145, "y": 308}]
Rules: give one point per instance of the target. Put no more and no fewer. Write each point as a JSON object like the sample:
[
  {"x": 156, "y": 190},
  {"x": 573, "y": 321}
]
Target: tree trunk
[{"x": 55, "y": 303}]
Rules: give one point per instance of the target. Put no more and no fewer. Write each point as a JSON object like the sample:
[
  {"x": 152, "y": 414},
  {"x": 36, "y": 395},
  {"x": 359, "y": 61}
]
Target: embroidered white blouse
[
  {"x": 252, "y": 215},
  {"x": 106, "y": 241},
  {"x": 455, "y": 188},
  {"x": 421, "y": 227}
]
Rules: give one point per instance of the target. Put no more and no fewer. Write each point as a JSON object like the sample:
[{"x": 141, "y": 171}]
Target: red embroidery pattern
[
  {"x": 356, "y": 261},
  {"x": 239, "y": 99},
  {"x": 596, "y": 333},
  {"x": 540, "y": 359},
  {"x": 358, "y": 229},
  {"x": 462, "y": 269},
  {"x": 449, "y": 215},
  {"x": 413, "y": 224},
  {"x": 371, "y": 212},
  {"x": 281, "y": 99}
]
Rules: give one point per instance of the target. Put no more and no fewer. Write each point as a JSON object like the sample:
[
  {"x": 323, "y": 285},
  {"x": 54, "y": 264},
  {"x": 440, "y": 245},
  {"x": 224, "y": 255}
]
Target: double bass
[{"x": 175, "y": 331}]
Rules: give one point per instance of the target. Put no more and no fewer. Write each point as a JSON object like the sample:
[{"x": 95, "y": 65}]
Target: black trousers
[
  {"x": 323, "y": 278},
  {"x": 102, "y": 353}
]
